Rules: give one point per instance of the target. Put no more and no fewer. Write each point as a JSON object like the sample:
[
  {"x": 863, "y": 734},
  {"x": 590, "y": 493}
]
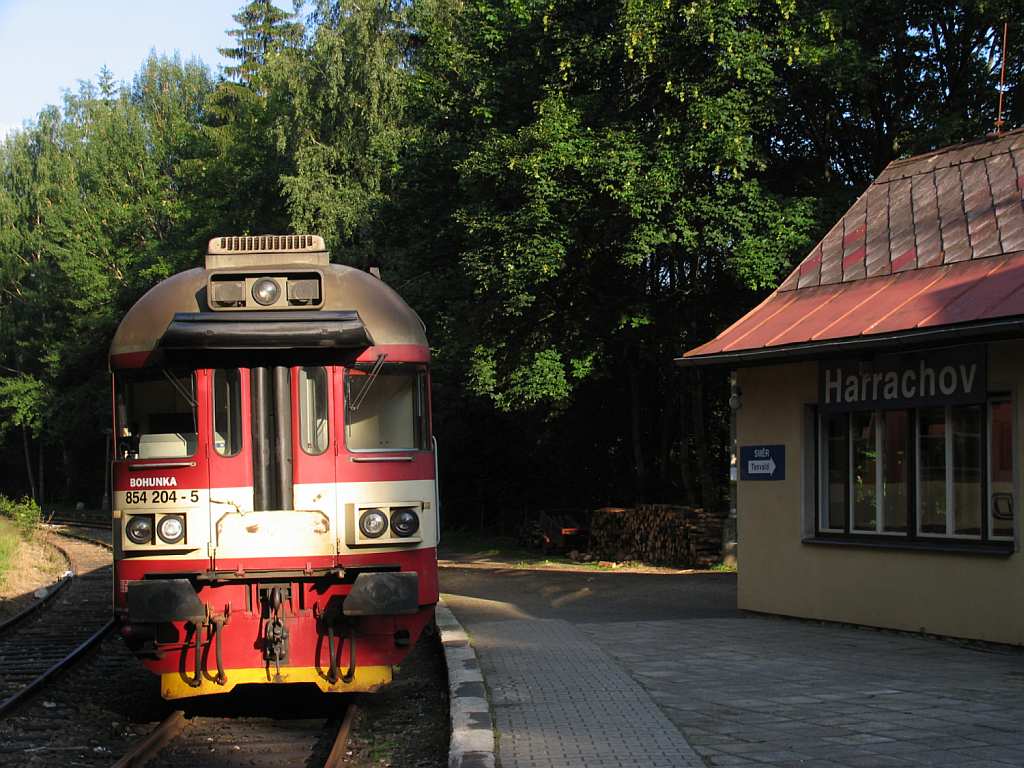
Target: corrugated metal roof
[{"x": 936, "y": 240}]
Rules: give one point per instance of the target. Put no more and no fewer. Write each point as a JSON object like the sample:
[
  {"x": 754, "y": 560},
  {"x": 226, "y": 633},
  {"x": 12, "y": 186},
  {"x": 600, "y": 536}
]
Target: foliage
[
  {"x": 24, "y": 513},
  {"x": 345, "y": 129},
  {"x": 571, "y": 194},
  {"x": 265, "y": 31}
]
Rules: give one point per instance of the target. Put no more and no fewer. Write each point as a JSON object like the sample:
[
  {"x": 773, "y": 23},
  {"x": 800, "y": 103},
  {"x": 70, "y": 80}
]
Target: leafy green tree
[
  {"x": 249, "y": 155},
  {"x": 604, "y": 195},
  {"x": 867, "y": 81},
  {"x": 94, "y": 207},
  {"x": 345, "y": 130}
]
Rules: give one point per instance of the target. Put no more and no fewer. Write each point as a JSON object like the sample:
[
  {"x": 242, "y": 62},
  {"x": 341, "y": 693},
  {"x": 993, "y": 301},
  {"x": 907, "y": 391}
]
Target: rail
[
  {"x": 36, "y": 637},
  {"x": 175, "y": 724},
  {"x": 38, "y": 682}
]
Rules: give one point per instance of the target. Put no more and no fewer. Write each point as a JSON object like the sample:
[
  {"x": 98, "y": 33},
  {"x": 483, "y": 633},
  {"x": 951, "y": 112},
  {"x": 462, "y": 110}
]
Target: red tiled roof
[{"x": 936, "y": 242}]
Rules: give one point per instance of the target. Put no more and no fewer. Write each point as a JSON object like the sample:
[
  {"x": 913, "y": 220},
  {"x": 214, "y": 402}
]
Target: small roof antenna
[{"x": 1002, "y": 82}]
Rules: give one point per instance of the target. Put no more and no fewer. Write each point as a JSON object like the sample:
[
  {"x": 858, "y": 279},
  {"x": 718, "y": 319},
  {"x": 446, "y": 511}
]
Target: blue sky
[{"x": 47, "y": 46}]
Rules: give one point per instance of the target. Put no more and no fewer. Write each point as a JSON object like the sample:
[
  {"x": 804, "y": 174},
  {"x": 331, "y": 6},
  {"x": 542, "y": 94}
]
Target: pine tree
[{"x": 265, "y": 30}]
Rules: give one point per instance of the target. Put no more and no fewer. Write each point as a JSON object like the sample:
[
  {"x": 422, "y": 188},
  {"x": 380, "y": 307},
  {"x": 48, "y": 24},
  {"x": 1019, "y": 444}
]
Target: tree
[
  {"x": 265, "y": 31},
  {"x": 867, "y": 81},
  {"x": 604, "y": 199},
  {"x": 249, "y": 155},
  {"x": 94, "y": 208},
  {"x": 345, "y": 130}
]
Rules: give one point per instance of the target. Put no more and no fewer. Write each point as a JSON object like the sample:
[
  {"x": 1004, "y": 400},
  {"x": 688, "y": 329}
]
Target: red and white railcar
[{"x": 275, "y": 500}]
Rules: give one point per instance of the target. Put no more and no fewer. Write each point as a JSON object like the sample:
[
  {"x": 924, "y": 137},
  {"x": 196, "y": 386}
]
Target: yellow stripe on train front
[{"x": 366, "y": 679}]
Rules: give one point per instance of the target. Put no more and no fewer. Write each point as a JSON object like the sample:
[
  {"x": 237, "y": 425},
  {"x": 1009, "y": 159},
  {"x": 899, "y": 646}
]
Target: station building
[{"x": 878, "y": 405}]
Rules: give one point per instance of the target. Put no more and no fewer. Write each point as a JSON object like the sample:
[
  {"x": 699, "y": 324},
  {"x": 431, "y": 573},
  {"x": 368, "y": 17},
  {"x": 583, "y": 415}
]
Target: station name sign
[{"x": 940, "y": 377}]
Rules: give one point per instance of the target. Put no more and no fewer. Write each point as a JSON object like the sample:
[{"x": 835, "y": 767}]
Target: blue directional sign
[{"x": 762, "y": 462}]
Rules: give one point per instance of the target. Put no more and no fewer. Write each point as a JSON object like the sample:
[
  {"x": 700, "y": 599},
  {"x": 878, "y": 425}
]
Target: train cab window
[
  {"x": 227, "y": 411},
  {"x": 156, "y": 414},
  {"x": 313, "y": 419},
  {"x": 386, "y": 408}
]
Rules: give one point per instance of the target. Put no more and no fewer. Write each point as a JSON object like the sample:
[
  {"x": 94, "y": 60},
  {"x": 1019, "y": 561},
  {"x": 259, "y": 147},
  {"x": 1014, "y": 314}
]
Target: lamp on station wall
[{"x": 735, "y": 396}]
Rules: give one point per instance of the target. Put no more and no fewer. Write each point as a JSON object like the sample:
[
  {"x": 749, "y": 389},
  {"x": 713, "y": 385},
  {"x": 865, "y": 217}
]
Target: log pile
[{"x": 659, "y": 534}]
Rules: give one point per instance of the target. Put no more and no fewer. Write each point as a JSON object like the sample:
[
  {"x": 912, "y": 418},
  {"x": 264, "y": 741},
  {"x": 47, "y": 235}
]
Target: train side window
[
  {"x": 313, "y": 421},
  {"x": 227, "y": 411},
  {"x": 156, "y": 414}
]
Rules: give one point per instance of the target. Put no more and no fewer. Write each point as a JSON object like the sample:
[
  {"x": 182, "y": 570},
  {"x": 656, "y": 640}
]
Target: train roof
[{"x": 355, "y": 310}]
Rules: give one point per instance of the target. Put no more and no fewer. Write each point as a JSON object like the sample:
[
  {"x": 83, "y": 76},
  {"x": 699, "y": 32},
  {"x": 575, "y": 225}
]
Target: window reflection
[
  {"x": 838, "y": 471},
  {"x": 894, "y": 471},
  {"x": 1001, "y": 504},
  {"x": 931, "y": 471},
  {"x": 867, "y": 466},
  {"x": 865, "y": 471}
]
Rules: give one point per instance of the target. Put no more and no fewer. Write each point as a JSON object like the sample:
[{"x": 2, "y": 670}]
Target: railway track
[
  {"x": 45, "y": 641},
  {"x": 70, "y": 522},
  {"x": 180, "y": 742}
]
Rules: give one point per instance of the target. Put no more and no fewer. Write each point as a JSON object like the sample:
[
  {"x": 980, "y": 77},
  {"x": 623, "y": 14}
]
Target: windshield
[
  {"x": 156, "y": 414},
  {"x": 386, "y": 408}
]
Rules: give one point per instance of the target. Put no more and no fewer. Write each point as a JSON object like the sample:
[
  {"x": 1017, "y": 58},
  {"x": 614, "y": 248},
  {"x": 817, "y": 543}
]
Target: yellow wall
[{"x": 946, "y": 593}]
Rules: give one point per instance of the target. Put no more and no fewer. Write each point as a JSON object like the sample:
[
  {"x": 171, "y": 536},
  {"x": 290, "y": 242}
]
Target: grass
[
  {"x": 10, "y": 541},
  {"x": 28, "y": 561},
  {"x": 382, "y": 748}
]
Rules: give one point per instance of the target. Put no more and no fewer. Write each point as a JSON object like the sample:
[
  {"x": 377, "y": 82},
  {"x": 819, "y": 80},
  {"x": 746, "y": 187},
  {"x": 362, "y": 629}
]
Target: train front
[{"x": 275, "y": 514}]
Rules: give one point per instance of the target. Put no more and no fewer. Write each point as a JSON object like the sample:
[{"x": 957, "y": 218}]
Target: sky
[{"x": 47, "y": 46}]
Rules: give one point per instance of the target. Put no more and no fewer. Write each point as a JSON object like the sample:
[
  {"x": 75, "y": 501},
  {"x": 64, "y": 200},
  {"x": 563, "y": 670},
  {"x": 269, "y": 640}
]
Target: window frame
[
  {"x": 950, "y": 493},
  {"x": 995, "y": 399},
  {"x": 302, "y": 400},
  {"x": 123, "y": 379},
  {"x": 213, "y": 413},
  {"x": 421, "y": 406},
  {"x": 913, "y": 537}
]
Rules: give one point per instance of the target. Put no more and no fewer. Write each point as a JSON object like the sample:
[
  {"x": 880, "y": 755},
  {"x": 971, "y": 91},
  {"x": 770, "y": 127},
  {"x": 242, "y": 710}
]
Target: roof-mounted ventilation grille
[
  {"x": 266, "y": 243},
  {"x": 256, "y": 250}
]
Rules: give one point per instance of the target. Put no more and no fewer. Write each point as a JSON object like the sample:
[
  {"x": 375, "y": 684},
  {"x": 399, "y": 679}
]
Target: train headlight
[
  {"x": 404, "y": 522},
  {"x": 373, "y": 523},
  {"x": 140, "y": 529},
  {"x": 266, "y": 291},
  {"x": 171, "y": 529}
]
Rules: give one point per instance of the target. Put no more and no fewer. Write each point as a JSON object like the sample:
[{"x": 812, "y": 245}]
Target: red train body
[{"x": 275, "y": 501}]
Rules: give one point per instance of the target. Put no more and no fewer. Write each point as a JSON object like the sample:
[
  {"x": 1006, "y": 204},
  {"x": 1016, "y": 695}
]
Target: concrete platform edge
[{"x": 472, "y": 742}]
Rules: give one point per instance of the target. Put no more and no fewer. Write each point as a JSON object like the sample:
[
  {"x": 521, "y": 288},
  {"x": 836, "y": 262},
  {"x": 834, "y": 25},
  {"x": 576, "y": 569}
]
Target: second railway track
[{"x": 43, "y": 642}]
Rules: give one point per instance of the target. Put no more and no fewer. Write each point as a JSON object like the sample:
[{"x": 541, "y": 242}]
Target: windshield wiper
[
  {"x": 370, "y": 378},
  {"x": 189, "y": 397}
]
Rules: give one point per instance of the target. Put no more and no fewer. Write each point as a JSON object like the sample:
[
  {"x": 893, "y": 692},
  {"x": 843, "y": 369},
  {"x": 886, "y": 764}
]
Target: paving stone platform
[
  {"x": 559, "y": 700},
  {"x": 753, "y": 690},
  {"x": 632, "y": 670}
]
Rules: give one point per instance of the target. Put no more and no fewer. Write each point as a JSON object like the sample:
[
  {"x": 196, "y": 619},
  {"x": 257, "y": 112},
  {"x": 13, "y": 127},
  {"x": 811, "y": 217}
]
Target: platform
[{"x": 632, "y": 670}]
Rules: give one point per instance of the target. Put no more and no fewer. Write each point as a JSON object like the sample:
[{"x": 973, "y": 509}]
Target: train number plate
[{"x": 162, "y": 498}]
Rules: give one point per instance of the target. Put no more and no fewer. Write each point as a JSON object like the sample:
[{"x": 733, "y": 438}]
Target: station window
[
  {"x": 227, "y": 411},
  {"x": 931, "y": 473},
  {"x": 313, "y": 419},
  {"x": 156, "y": 414},
  {"x": 386, "y": 408}
]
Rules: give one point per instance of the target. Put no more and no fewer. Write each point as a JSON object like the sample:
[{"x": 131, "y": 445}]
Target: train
[{"x": 275, "y": 508}]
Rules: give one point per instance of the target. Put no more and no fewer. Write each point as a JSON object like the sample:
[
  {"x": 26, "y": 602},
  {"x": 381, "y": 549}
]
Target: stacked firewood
[{"x": 659, "y": 534}]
